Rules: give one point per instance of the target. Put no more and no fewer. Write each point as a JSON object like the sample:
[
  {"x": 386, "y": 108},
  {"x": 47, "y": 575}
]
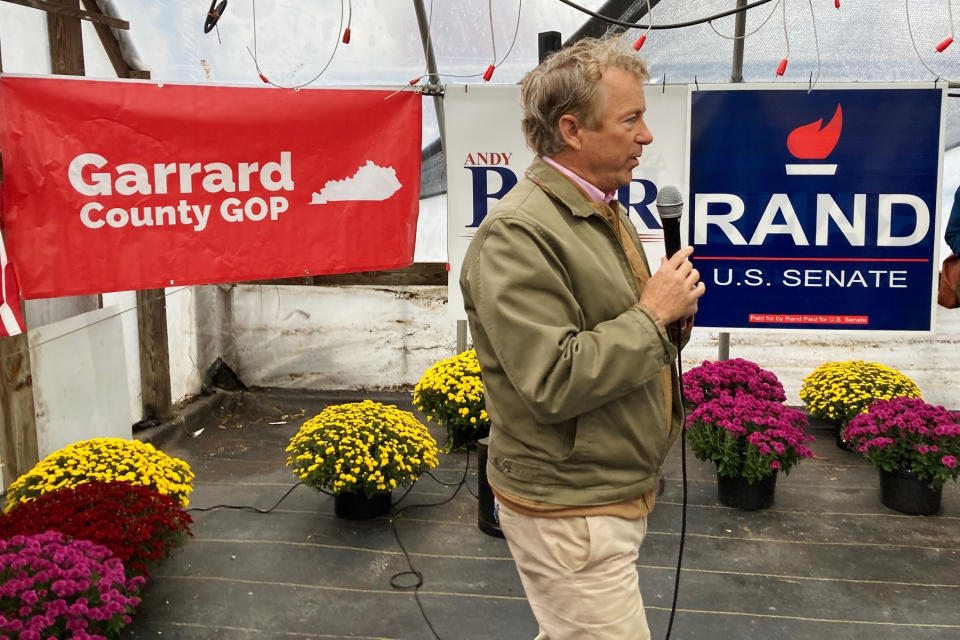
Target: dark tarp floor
[{"x": 828, "y": 560}]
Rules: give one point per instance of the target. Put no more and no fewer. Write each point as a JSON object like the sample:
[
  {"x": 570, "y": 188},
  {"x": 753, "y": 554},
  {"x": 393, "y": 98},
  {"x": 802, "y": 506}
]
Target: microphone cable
[{"x": 683, "y": 466}]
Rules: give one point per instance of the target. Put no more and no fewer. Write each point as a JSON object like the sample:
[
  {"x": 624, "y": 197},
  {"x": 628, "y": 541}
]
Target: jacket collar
[{"x": 557, "y": 186}]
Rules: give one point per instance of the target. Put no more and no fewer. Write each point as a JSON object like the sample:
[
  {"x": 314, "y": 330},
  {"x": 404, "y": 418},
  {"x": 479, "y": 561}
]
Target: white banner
[{"x": 486, "y": 155}]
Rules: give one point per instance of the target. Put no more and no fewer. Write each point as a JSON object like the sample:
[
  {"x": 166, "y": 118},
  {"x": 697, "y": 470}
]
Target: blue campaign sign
[{"x": 815, "y": 210}]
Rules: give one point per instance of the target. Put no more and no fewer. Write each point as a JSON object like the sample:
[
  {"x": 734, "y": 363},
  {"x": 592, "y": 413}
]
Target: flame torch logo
[{"x": 810, "y": 142}]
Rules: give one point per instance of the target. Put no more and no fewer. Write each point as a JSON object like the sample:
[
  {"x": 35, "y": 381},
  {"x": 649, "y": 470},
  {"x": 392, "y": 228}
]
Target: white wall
[
  {"x": 79, "y": 380},
  {"x": 182, "y": 331},
  {"x": 125, "y": 303},
  {"x": 386, "y": 337},
  {"x": 358, "y": 337}
]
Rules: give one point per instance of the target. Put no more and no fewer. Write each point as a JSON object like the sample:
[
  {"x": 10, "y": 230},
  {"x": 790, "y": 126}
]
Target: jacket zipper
[{"x": 623, "y": 252}]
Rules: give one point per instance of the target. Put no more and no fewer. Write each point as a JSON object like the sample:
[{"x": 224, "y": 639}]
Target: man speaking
[{"x": 569, "y": 328}]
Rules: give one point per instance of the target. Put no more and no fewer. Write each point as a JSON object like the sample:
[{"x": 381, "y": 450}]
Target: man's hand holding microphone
[{"x": 673, "y": 291}]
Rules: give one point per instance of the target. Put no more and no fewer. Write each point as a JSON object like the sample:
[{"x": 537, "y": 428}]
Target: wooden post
[
  {"x": 18, "y": 426},
  {"x": 154, "y": 354},
  {"x": 18, "y": 422},
  {"x": 66, "y": 44}
]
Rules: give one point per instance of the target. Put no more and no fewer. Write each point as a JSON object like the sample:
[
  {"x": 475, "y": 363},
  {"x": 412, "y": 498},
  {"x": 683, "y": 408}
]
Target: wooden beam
[
  {"x": 52, "y": 6},
  {"x": 154, "y": 356},
  {"x": 66, "y": 41},
  {"x": 112, "y": 47},
  {"x": 18, "y": 421},
  {"x": 18, "y": 425},
  {"x": 421, "y": 273}
]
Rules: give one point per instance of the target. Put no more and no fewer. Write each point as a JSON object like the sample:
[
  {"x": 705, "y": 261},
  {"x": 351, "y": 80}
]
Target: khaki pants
[{"x": 579, "y": 574}]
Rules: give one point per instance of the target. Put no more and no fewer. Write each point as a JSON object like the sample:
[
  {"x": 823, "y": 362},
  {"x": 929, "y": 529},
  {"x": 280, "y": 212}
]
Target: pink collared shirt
[{"x": 593, "y": 192}]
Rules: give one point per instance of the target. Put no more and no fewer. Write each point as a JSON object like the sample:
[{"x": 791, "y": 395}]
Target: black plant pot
[
  {"x": 843, "y": 444},
  {"x": 904, "y": 492},
  {"x": 488, "y": 516},
  {"x": 356, "y": 506},
  {"x": 462, "y": 440},
  {"x": 740, "y": 494}
]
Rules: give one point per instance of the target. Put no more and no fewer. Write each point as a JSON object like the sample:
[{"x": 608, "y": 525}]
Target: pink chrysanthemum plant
[
  {"x": 907, "y": 434},
  {"x": 54, "y": 587},
  {"x": 733, "y": 377},
  {"x": 748, "y": 437}
]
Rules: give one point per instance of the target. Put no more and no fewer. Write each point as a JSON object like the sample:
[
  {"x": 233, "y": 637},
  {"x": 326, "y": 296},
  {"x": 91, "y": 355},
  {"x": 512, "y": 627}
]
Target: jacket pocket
[{"x": 513, "y": 468}]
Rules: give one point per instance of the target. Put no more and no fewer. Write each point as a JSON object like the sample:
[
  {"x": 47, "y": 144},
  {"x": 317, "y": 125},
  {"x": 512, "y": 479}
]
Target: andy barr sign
[
  {"x": 487, "y": 155},
  {"x": 816, "y": 210}
]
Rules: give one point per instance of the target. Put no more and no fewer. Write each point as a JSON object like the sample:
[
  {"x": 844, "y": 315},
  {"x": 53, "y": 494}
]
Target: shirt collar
[{"x": 595, "y": 194}]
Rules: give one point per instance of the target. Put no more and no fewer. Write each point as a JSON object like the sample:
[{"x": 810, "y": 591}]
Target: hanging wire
[
  {"x": 493, "y": 39},
  {"x": 346, "y": 32},
  {"x": 913, "y": 42},
  {"x": 950, "y": 13},
  {"x": 253, "y": 54},
  {"x": 516, "y": 30},
  {"x": 678, "y": 25},
  {"x": 786, "y": 35},
  {"x": 638, "y": 43},
  {"x": 426, "y": 73},
  {"x": 649, "y": 20},
  {"x": 762, "y": 24},
  {"x": 816, "y": 42}
]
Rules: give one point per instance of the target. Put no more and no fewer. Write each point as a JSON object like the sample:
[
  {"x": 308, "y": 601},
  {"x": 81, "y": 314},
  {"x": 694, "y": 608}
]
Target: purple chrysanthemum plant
[
  {"x": 52, "y": 587},
  {"x": 733, "y": 377},
  {"x": 748, "y": 437},
  {"x": 907, "y": 434}
]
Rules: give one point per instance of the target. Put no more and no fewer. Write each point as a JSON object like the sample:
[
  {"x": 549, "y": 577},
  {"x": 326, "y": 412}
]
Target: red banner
[
  {"x": 113, "y": 186},
  {"x": 11, "y": 320},
  {"x": 11, "y": 317}
]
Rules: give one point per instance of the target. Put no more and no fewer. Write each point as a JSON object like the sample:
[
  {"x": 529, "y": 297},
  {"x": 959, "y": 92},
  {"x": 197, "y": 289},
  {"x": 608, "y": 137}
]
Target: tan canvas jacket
[{"x": 570, "y": 361}]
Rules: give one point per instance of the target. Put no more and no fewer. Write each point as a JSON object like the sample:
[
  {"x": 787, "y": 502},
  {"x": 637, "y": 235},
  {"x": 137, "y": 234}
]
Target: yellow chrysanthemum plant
[
  {"x": 840, "y": 391},
  {"x": 106, "y": 460},
  {"x": 450, "y": 393},
  {"x": 361, "y": 447}
]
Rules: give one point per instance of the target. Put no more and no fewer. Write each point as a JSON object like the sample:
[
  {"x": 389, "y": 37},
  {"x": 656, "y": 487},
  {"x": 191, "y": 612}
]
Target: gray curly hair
[{"x": 566, "y": 82}]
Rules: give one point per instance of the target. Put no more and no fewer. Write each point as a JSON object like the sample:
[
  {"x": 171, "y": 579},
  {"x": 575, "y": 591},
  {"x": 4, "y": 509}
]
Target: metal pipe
[
  {"x": 739, "y": 29},
  {"x": 424, "y": 25},
  {"x": 723, "y": 348},
  {"x": 461, "y": 336}
]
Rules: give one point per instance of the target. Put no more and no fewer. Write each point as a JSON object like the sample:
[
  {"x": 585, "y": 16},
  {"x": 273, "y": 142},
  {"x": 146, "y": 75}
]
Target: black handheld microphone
[{"x": 670, "y": 206}]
